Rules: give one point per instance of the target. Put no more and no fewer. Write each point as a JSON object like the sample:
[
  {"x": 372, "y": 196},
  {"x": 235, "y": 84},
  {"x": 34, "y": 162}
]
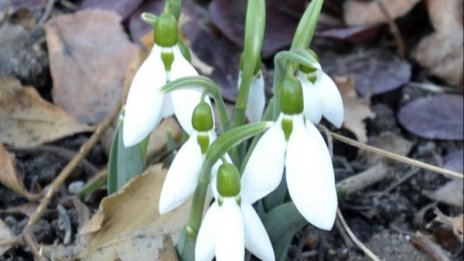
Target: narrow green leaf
[
  {"x": 282, "y": 223},
  {"x": 307, "y": 25},
  {"x": 231, "y": 138},
  {"x": 124, "y": 163}
]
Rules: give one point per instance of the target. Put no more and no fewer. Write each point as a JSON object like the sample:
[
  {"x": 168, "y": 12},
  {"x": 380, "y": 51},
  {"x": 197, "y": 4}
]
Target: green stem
[
  {"x": 209, "y": 86},
  {"x": 174, "y": 7},
  {"x": 254, "y": 34}
]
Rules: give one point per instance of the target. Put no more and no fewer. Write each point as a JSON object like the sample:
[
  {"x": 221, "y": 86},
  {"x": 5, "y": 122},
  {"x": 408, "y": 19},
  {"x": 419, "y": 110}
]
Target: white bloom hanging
[{"x": 231, "y": 225}]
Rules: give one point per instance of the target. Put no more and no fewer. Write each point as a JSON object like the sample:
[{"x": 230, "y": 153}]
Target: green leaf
[
  {"x": 124, "y": 163},
  {"x": 230, "y": 139},
  {"x": 282, "y": 223},
  {"x": 307, "y": 25}
]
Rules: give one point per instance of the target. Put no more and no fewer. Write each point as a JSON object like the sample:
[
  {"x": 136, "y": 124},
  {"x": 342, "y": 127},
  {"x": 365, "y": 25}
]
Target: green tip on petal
[
  {"x": 168, "y": 58},
  {"x": 203, "y": 141},
  {"x": 202, "y": 118},
  {"x": 228, "y": 180},
  {"x": 306, "y": 69},
  {"x": 287, "y": 126},
  {"x": 291, "y": 96},
  {"x": 166, "y": 31}
]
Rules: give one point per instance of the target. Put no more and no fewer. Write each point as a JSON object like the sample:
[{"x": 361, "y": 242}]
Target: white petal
[
  {"x": 256, "y": 99},
  {"x": 256, "y": 239},
  {"x": 168, "y": 108},
  {"x": 205, "y": 245},
  {"x": 265, "y": 166},
  {"x": 310, "y": 176},
  {"x": 331, "y": 100},
  {"x": 144, "y": 101},
  {"x": 230, "y": 238},
  {"x": 182, "y": 177},
  {"x": 184, "y": 100},
  {"x": 312, "y": 99}
]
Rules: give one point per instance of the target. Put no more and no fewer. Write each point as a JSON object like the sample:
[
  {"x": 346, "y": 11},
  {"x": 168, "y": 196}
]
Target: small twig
[
  {"x": 354, "y": 238},
  {"x": 397, "y": 157},
  {"x": 46, "y": 14},
  {"x": 58, "y": 181},
  {"x": 394, "y": 29},
  {"x": 11, "y": 241}
]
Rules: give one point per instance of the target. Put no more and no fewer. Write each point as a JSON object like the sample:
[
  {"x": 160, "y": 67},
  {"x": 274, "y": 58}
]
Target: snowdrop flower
[
  {"x": 321, "y": 96},
  {"x": 231, "y": 224},
  {"x": 146, "y": 105},
  {"x": 256, "y": 97},
  {"x": 299, "y": 147},
  {"x": 182, "y": 177}
]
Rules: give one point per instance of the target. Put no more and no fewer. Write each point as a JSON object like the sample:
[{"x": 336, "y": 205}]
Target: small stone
[{"x": 76, "y": 186}]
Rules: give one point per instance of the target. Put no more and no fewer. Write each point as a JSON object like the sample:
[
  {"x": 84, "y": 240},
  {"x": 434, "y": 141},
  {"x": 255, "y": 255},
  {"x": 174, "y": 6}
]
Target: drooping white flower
[
  {"x": 321, "y": 98},
  {"x": 146, "y": 105},
  {"x": 231, "y": 225},
  {"x": 309, "y": 171},
  {"x": 256, "y": 97},
  {"x": 183, "y": 174}
]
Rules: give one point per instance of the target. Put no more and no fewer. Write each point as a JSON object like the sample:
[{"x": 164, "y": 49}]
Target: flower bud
[
  {"x": 166, "y": 31},
  {"x": 228, "y": 180},
  {"x": 291, "y": 96},
  {"x": 202, "y": 117}
]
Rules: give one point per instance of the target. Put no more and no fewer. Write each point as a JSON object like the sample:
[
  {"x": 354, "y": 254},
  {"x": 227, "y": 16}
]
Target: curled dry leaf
[
  {"x": 128, "y": 226},
  {"x": 369, "y": 12},
  {"x": 10, "y": 177},
  {"x": 89, "y": 55},
  {"x": 26, "y": 120},
  {"x": 5, "y": 234},
  {"x": 356, "y": 109},
  {"x": 437, "y": 117},
  {"x": 442, "y": 52}
]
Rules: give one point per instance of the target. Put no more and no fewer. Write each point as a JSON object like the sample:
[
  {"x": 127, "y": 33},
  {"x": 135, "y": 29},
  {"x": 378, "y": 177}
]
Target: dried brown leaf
[
  {"x": 356, "y": 109},
  {"x": 89, "y": 56},
  {"x": 26, "y": 120},
  {"x": 10, "y": 177},
  {"x": 365, "y": 13},
  {"x": 128, "y": 225},
  {"x": 451, "y": 193},
  {"x": 442, "y": 51},
  {"x": 389, "y": 142}
]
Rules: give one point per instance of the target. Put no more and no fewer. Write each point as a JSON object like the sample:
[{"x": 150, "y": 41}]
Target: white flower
[
  {"x": 309, "y": 171},
  {"x": 182, "y": 177},
  {"x": 146, "y": 105},
  {"x": 256, "y": 97},
  {"x": 321, "y": 98},
  {"x": 228, "y": 228}
]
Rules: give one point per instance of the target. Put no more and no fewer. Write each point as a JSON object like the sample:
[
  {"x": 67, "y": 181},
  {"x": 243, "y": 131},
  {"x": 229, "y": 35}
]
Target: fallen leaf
[
  {"x": 451, "y": 193},
  {"x": 5, "y": 234},
  {"x": 442, "y": 51},
  {"x": 26, "y": 120},
  {"x": 281, "y": 21},
  {"x": 390, "y": 142},
  {"x": 455, "y": 223},
  {"x": 123, "y": 7},
  {"x": 455, "y": 161},
  {"x": 223, "y": 56},
  {"x": 436, "y": 117},
  {"x": 369, "y": 12},
  {"x": 128, "y": 226},
  {"x": 355, "y": 34},
  {"x": 10, "y": 177},
  {"x": 356, "y": 109},
  {"x": 375, "y": 71},
  {"x": 89, "y": 54}
]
